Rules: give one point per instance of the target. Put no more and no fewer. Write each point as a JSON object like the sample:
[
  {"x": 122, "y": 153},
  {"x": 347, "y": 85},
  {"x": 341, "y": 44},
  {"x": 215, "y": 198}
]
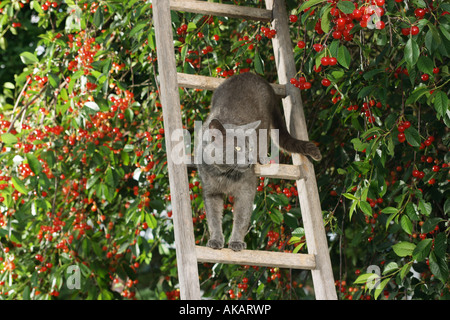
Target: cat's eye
[{"x": 237, "y": 148}]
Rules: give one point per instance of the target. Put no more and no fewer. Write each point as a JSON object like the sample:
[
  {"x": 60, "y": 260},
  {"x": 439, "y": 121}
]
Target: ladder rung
[
  {"x": 256, "y": 258},
  {"x": 279, "y": 171},
  {"x": 210, "y": 83},
  {"x": 219, "y": 9}
]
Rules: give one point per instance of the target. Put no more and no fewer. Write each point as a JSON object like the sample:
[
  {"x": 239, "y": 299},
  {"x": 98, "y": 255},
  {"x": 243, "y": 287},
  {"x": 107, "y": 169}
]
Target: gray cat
[{"x": 241, "y": 106}]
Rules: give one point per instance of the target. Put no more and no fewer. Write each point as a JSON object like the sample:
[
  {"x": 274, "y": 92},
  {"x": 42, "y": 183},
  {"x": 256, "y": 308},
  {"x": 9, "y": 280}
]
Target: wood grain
[
  {"x": 210, "y": 83},
  {"x": 316, "y": 239},
  {"x": 256, "y": 258},
  {"x": 178, "y": 180},
  {"x": 219, "y": 9},
  {"x": 279, "y": 171}
]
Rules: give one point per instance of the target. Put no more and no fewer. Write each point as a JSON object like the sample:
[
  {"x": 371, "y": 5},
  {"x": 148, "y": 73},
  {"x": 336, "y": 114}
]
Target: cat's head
[{"x": 231, "y": 146}]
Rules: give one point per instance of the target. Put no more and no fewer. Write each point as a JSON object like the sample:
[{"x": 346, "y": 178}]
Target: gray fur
[{"x": 241, "y": 101}]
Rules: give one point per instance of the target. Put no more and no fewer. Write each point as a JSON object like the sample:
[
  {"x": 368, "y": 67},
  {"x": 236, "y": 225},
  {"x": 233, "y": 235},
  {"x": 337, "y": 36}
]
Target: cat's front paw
[
  {"x": 215, "y": 244},
  {"x": 314, "y": 152},
  {"x": 237, "y": 245}
]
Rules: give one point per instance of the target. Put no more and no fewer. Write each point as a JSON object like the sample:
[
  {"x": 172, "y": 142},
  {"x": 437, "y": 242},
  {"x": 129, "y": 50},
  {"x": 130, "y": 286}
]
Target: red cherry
[
  {"x": 380, "y": 25},
  {"x": 436, "y": 168},
  {"x": 340, "y": 23},
  {"x": 406, "y": 31},
  {"x": 325, "y": 82},
  {"x": 379, "y": 2},
  {"x": 337, "y": 34},
  {"x": 332, "y": 61},
  {"x": 357, "y": 14},
  {"x": 318, "y": 47},
  {"x": 435, "y": 70},
  {"x": 425, "y": 77},
  {"x": 414, "y": 30},
  {"x": 419, "y": 13},
  {"x": 325, "y": 61},
  {"x": 301, "y": 44},
  {"x": 293, "y": 18}
]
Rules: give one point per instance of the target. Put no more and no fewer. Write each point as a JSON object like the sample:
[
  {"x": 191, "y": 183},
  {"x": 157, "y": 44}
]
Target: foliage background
[{"x": 83, "y": 178}]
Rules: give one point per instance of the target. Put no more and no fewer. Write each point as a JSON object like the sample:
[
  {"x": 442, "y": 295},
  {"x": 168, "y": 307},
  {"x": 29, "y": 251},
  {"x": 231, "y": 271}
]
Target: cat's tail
[{"x": 288, "y": 142}]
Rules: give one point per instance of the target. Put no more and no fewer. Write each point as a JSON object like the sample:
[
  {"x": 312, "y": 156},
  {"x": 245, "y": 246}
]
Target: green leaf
[
  {"x": 325, "y": 20},
  {"x": 9, "y": 139},
  {"x": 390, "y": 267},
  {"x": 352, "y": 209},
  {"x": 98, "y": 18},
  {"x": 422, "y": 250},
  {"x": 19, "y": 185},
  {"x": 370, "y": 74},
  {"x": 440, "y": 245},
  {"x": 92, "y": 105},
  {"x": 412, "y": 211},
  {"x": 191, "y": 26},
  {"x": 138, "y": 28},
  {"x": 365, "y": 207},
  {"x": 34, "y": 163},
  {"x": 412, "y": 52},
  {"x": 430, "y": 224},
  {"x": 9, "y": 85},
  {"x": 28, "y": 58},
  {"x": 309, "y": 4},
  {"x": 344, "y": 57},
  {"x": 389, "y": 210},
  {"x": 350, "y": 196},
  {"x": 406, "y": 224},
  {"x": 404, "y": 249},
  {"x": 425, "y": 64},
  {"x": 439, "y": 267},
  {"x": 366, "y": 91},
  {"x": 363, "y": 278},
  {"x": 26, "y": 293},
  {"x": 346, "y": 6},
  {"x": 276, "y": 216},
  {"x": 380, "y": 287},
  {"x": 440, "y": 102},
  {"x": 109, "y": 179},
  {"x": 416, "y": 94},
  {"x": 151, "y": 221},
  {"x": 259, "y": 63},
  {"x": 404, "y": 271},
  {"x": 361, "y": 167},
  {"x": 91, "y": 181},
  {"x": 425, "y": 208},
  {"x": 412, "y": 137}
]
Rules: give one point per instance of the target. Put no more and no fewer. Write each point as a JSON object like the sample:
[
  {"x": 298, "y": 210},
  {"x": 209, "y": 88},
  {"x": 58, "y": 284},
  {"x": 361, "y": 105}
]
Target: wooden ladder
[{"x": 188, "y": 254}]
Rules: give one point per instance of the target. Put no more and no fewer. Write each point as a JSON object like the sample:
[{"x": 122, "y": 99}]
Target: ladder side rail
[
  {"x": 316, "y": 240},
  {"x": 178, "y": 180}
]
